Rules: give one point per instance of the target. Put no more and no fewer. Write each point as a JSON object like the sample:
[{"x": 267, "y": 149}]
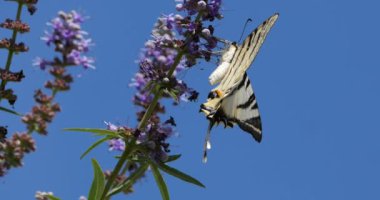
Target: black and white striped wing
[
  {"x": 245, "y": 55},
  {"x": 241, "y": 108}
]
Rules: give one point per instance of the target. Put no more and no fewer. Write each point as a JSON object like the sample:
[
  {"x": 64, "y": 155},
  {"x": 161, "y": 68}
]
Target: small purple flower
[
  {"x": 40, "y": 62},
  {"x": 111, "y": 127},
  {"x": 143, "y": 137},
  {"x": 48, "y": 38},
  {"x": 77, "y": 18},
  {"x": 74, "y": 56},
  {"x": 138, "y": 81},
  {"x": 87, "y": 62},
  {"x": 169, "y": 20},
  {"x": 83, "y": 45},
  {"x": 191, "y": 27},
  {"x": 116, "y": 145},
  {"x": 179, "y": 7}
]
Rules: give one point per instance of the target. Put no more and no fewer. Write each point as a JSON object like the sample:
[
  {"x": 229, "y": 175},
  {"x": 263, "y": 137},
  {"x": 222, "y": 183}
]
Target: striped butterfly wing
[
  {"x": 241, "y": 108},
  {"x": 245, "y": 55}
]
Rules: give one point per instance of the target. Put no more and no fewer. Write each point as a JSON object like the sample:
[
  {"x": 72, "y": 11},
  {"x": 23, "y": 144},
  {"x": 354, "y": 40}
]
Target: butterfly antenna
[
  {"x": 207, "y": 144},
  {"x": 245, "y": 25}
]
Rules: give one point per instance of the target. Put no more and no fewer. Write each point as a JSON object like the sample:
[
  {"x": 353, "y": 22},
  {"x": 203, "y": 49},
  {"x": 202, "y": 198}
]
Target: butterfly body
[{"x": 217, "y": 75}]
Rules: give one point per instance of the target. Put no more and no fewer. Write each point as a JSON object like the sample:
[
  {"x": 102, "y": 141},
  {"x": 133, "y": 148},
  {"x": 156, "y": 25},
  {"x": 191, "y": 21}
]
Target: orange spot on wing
[{"x": 219, "y": 93}]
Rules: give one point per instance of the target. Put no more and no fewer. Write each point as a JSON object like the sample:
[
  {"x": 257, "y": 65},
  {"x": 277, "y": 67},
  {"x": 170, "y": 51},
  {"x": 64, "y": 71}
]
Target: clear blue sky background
[{"x": 316, "y": 80}]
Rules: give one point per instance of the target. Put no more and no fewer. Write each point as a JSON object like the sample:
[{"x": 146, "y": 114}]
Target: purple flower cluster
[
  {"x": 116, "y": 144},
  {"x": 172, "y": 34},
  {"x": 153, "y": 138},
  {"x": 209, "y": 9},
  {"x": 69, "y": 40},
  {"x": 177, "y": 41}
]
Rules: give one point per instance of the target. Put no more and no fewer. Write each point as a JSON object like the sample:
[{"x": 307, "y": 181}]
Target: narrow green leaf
[
  {"x": 52, "y": 197},
  {"x": 160, "y": 182},
  {"x": 129, "y": 181},
  {"x": 97, "y": 185},
  {"x": 10, "y": 111},
  {"x": 176, "y": 173},
  {"x": 94, "y": 130},
  {"x": 93, "y": 146},
  {"x": 173, "y": 158}
]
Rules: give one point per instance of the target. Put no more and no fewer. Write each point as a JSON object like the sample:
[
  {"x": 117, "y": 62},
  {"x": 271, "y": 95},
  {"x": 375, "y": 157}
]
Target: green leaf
[
  {"x": 173, "y": 158},
  {"x": 52, "y": 197},
  {"x": 100, "y": 132},
  {"x": 97, "y": 185},
  {"x": 10, "y": 111},
  {"x": 160, "y": 182},
  {"x": 129, "y": 181},
  {"x": 175, "y": 172},
  {"x": 93, "y": 146}
]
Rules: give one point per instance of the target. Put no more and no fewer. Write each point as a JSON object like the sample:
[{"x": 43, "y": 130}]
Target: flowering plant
[{"x": 177, "y": 42}]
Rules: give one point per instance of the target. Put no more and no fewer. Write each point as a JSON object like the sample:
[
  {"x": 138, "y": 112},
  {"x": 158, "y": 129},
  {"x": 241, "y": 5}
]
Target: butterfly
[{"x": 233, "y": 101}]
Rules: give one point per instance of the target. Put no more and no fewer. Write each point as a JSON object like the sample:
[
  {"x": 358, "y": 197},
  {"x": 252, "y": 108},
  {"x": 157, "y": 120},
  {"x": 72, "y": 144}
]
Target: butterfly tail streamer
[{"x": 207, "y": 144}]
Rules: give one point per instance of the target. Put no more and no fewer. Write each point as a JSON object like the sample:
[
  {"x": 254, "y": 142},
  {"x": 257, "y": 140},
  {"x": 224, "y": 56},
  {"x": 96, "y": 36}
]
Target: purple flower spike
[
  {"x": 69, "y": 39},
  {"x": 188, "y": 34}
]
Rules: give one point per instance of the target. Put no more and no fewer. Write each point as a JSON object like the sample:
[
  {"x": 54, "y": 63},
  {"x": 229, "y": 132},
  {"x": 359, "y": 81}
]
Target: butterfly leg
[{"x": 223, "y": 41}]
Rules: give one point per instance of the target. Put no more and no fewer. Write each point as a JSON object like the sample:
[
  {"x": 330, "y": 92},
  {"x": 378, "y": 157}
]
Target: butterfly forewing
[{"x": 245, "y": 54}]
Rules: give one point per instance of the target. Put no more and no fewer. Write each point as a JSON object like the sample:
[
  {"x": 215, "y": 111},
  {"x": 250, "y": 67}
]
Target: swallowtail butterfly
[{"x": 233, "y": 100}]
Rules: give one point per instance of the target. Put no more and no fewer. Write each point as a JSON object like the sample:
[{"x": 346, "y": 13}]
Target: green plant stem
[
  {"x": 130, "y": 180},
  {"x": 11, "y": 51},
  {"x": 127, "y": 152}
]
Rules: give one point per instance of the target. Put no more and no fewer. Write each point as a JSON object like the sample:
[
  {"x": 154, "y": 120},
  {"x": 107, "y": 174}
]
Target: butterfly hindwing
[{"x": 241, "y": 108}]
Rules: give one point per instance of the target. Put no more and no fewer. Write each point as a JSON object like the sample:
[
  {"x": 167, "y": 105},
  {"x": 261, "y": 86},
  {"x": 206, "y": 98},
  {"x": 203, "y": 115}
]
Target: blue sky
[{"x": 316, "y": 80}]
